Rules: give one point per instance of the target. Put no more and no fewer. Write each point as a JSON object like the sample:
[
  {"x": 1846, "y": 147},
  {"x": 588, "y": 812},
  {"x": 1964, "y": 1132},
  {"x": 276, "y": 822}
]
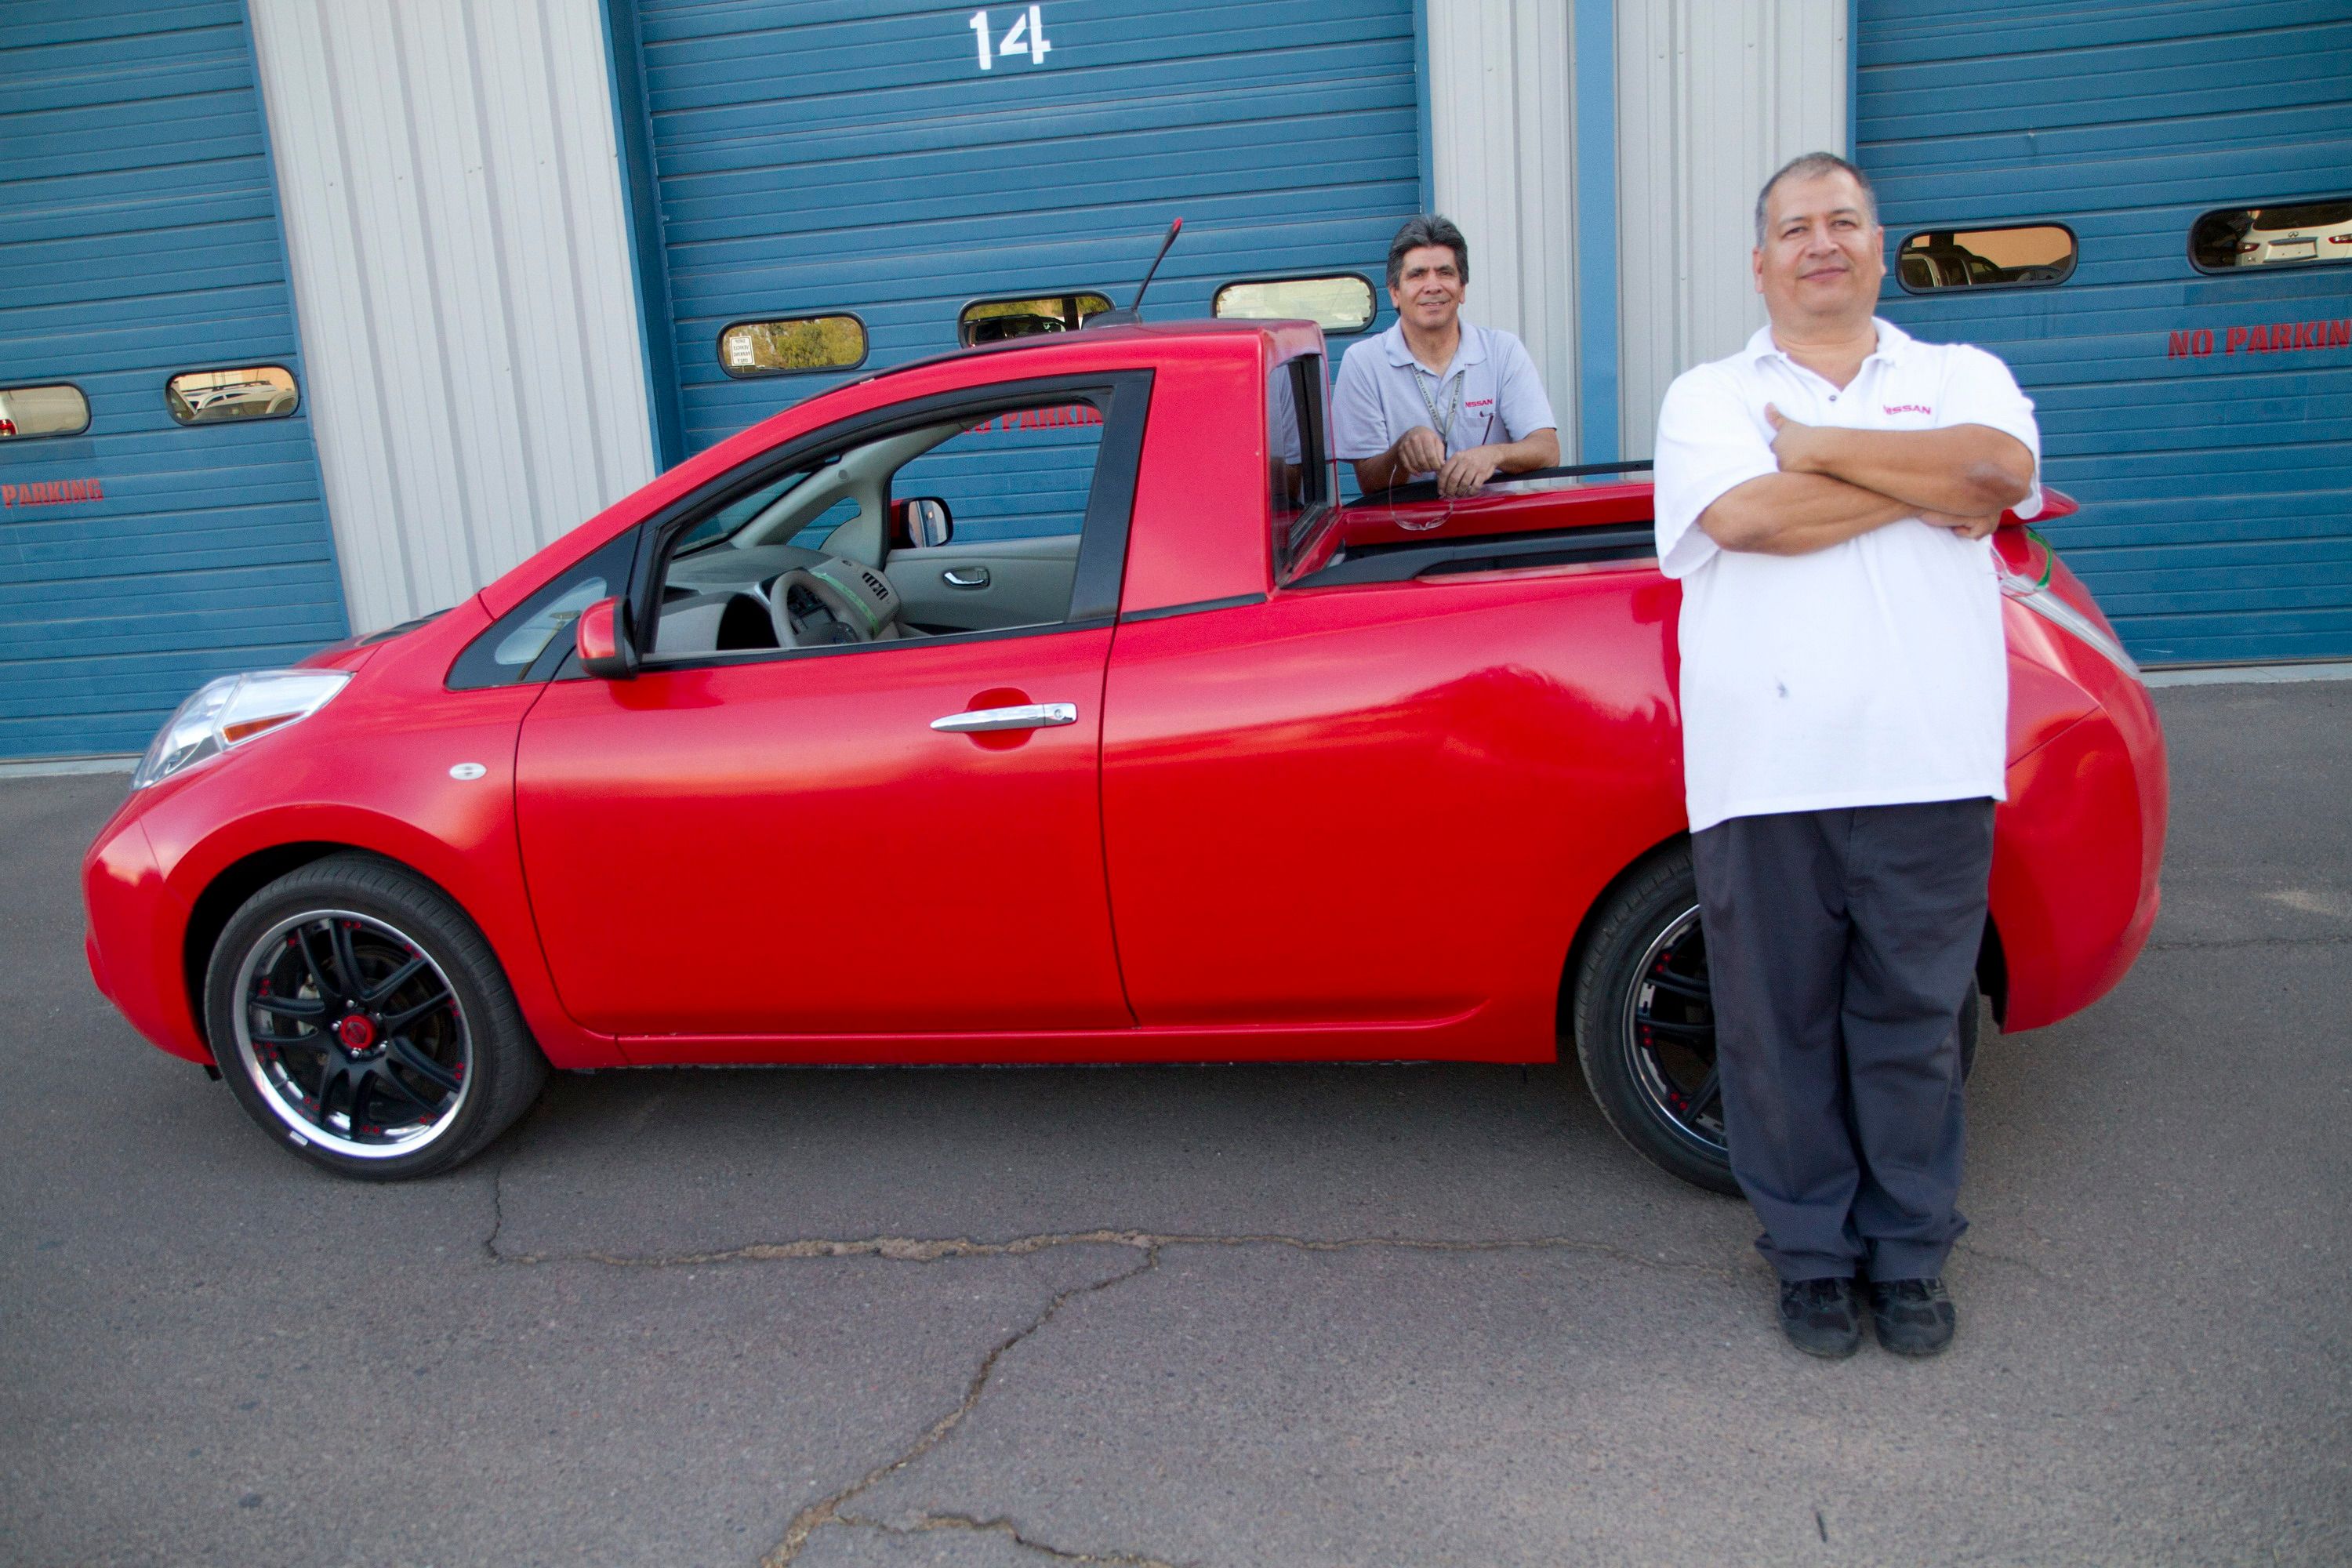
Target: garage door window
[
  {"x": 994, "y": 320},
  {"x": 793, "y": 345},
  {"x": 28, "y": 411},
  {"x": 1340, "y": 303},
  {"x": 220, "y": 396},
  {"x": 2297, "y": 235},
  {"x": 2028, "y": 255}
]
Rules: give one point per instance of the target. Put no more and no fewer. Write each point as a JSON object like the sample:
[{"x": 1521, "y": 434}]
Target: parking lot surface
[{"x": 1218, "y": 1316}]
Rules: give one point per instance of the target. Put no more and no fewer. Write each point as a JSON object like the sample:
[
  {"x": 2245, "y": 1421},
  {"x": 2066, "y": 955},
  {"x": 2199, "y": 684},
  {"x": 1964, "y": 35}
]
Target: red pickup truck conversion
[{"x": 1038, "y": 703}]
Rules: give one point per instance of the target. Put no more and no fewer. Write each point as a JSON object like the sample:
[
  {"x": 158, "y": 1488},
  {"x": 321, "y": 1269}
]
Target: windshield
[{"x": 743, "y": 512}]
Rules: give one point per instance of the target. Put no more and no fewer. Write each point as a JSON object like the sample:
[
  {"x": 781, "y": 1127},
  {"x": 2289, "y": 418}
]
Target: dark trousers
[{"x": 1840, "y": 944}]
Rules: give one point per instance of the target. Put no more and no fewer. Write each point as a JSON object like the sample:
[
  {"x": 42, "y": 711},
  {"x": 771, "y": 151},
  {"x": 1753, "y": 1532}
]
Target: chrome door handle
[
  {"x": 1028, "y": 716},
  {"x": 965, "y": 576}
]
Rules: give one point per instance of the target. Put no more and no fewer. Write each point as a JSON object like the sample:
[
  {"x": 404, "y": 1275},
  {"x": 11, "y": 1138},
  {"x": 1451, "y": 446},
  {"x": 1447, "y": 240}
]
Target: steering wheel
[{"x": 811, "y": 612}]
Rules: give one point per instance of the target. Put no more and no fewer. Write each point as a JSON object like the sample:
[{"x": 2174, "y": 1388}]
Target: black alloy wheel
[
  {"x": 360, "y": 1018},
  {"x": 1644, "y": 1023}
]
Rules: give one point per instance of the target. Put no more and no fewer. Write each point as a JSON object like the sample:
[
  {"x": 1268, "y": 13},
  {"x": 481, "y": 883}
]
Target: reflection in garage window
[
  {"x": 992, "y": 320},
  {"x": 2273, "y": 235},
  {"x": 1340, "y": 303},
  {"x": 26, "y": 411},
  {"x": 248, "y": 392},
  {"x": 2026, "y": 257},
  {"x": 793, "y": 345}
]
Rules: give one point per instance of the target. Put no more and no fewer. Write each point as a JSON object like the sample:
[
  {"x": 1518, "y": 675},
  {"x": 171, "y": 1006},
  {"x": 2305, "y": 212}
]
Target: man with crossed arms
[{"x": 1826, "y": 497}]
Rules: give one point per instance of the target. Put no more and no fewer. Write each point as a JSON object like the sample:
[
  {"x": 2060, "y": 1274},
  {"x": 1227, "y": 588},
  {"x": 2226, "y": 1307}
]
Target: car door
[
  {"x": 784, "y": 846},
  {"x": 1362, "y": 820}
]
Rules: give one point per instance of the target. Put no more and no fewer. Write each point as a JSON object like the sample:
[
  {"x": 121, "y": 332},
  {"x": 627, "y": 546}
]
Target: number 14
[{"x": 1026, "y": 38}]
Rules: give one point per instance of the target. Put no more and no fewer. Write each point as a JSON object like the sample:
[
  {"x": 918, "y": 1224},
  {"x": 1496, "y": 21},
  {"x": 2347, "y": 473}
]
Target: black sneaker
[
  {"x": 1914, "y": 1317},
  {"x": 1821, "y": 1317}
]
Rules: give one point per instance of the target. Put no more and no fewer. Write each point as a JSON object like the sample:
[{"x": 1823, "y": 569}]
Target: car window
[
  {"x": 727, "y": 521},
  {"x": 998, "y": 509},
  {"x": 1023, "y": 473},
  {"x": 530, "y": 641},
  {"x": 1300, "y": 483}
]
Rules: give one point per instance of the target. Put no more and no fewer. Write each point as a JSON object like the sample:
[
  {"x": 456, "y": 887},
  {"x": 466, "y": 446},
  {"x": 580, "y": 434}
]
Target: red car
[{"x": 1040, "y": 703}]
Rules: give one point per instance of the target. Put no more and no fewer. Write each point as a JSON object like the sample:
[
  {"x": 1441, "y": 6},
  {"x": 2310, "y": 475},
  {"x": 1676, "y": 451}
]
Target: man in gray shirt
[{"x": 1434, "y": 395}]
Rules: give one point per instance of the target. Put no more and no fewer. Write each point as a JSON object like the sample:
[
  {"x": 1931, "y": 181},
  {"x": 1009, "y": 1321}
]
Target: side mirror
[
  {"x": 921, "y": 523},
  {"x": 602, "y": 635}
]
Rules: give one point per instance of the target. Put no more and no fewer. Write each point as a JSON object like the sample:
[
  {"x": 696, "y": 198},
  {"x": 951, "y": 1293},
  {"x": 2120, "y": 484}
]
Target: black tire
[
  {"x": 1644, "y": 1019},
  {"x": 407, "y": 1067}
]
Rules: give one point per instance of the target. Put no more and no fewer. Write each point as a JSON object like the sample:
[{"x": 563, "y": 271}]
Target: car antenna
[{"x": 1133, "y": 314}]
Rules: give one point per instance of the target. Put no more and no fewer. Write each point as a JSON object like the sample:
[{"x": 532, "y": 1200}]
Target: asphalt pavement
[{"x": 1295, "y": 1317}]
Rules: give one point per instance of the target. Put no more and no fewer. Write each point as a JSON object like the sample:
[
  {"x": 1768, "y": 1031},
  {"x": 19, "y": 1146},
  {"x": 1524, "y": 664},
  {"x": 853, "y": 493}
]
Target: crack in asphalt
[
  {"x": 2009, "y": 1260},
  {"x": 932, "y": 1249},
  {"x": 498, "y": 1208},
  {"x": 817, "y": 1515},
  {"x": 2331, "y": 938},
  {"x": 1004, "y": 1527}
]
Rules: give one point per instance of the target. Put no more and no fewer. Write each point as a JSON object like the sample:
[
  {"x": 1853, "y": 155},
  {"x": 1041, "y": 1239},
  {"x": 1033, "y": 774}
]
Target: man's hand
[
  {"x": 1464, "y": 472},
  {"x": 1795, "y": 445},
  {"x": 1957, "y": 469},
  {"x": 1966, "y": 527},
  {"x": 1417, "y": 451}
]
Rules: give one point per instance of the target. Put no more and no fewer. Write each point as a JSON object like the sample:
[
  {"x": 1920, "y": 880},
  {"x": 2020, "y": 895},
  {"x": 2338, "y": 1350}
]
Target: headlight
[{"x": 231, "y": 710}]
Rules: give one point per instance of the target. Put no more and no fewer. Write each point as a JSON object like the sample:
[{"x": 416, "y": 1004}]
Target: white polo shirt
[
  {"x": 1490, "y": 392},
  {"x": 1870, "y": 673}
]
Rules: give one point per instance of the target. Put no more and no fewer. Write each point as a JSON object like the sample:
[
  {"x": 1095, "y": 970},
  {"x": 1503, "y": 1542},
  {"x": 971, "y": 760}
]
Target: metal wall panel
[
  {"x": 1501, "y": 76},
  {"x": 1710, "y": 99},
  {"x": 453, "y": 208},
  {"x": 812, "y": 157},
  {"x": 2217, "y": 487},
  {"x": 138, "y": 238}
]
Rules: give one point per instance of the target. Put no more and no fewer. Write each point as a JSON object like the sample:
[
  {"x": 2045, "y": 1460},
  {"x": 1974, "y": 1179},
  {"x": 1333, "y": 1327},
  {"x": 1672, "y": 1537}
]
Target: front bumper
[
  {"x": 136, "y": 928},
  {"x": 2077, "y": 864}
]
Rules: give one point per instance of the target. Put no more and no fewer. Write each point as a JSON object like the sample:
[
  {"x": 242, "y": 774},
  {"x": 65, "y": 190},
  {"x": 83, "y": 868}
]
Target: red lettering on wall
[
  {"x": 1059, "y": 418},
  {"x": 2179, "y": 348},
  {"x": 2235, "y": 341},
  {"x": 52, "y": 492},
  {"x": 2339, "y": 334}
]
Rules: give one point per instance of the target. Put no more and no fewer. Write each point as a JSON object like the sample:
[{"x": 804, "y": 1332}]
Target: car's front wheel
[
  {"x": 1644, "y": 1021},
  {"x": 363, "y": 1022}
]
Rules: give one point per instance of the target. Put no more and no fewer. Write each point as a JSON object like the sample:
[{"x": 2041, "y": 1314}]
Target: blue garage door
[
  {"x": 140, "y": 242},
  {"x": 2203, "y": 417},
  {"x": 807, "y": 163}
]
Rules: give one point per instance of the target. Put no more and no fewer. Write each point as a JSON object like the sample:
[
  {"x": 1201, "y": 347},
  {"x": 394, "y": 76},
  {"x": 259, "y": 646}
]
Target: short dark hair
[
  {"x": 1425, "y": 229},
  {"x": 1812, "y": 166}
]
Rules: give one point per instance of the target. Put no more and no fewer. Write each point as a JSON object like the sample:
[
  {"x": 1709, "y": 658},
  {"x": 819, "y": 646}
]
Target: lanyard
[{"x": 1442, "y": 423}]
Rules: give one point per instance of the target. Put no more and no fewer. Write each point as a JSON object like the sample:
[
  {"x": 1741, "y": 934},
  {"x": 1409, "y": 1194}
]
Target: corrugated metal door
[
  {"x": 138, "y": 238},
  {"x": 2217, "y": 486},
  {"x": 809, "y": 160}
]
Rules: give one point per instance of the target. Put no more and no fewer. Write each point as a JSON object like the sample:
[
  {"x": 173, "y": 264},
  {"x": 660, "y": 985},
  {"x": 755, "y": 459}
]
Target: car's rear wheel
[
  {"x": 363, "y": 1022},
  {"x": 1644, "y": 1021}
]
